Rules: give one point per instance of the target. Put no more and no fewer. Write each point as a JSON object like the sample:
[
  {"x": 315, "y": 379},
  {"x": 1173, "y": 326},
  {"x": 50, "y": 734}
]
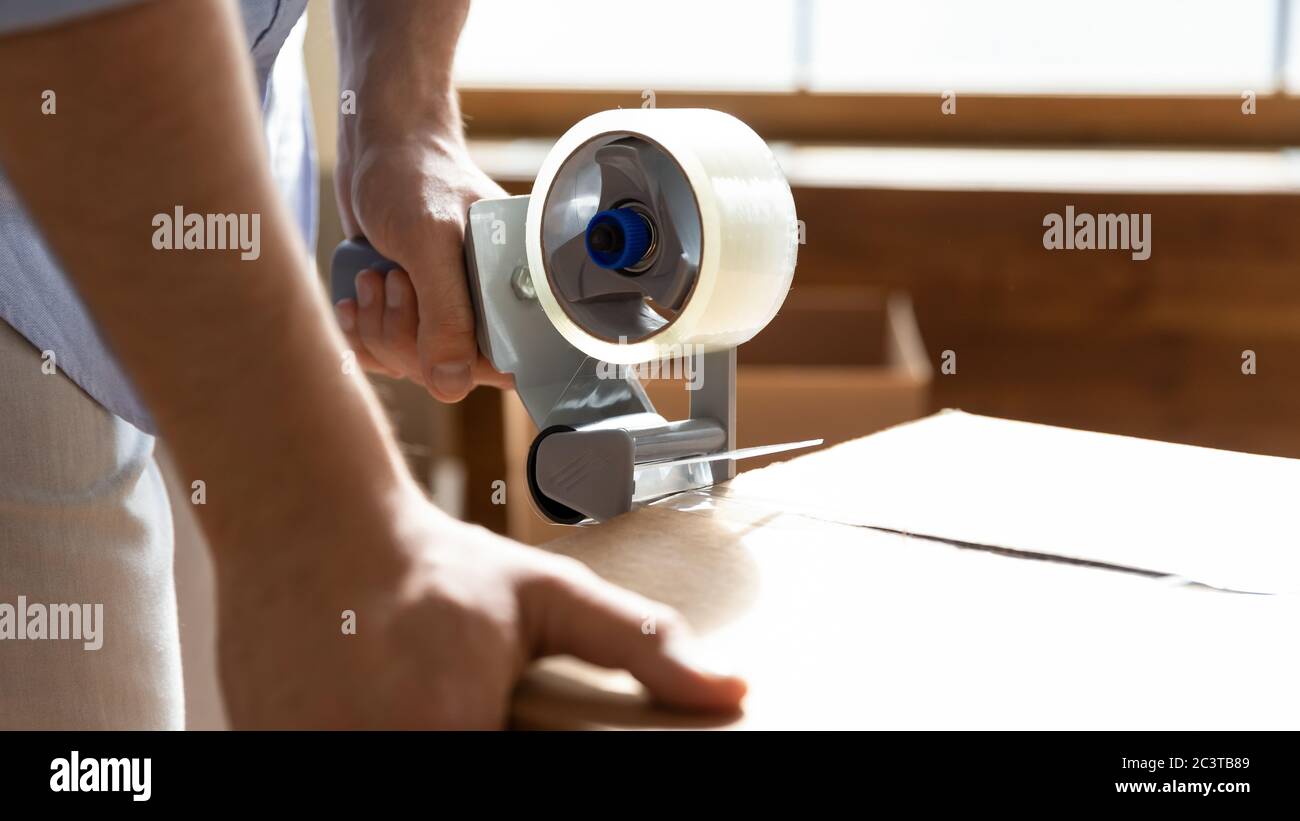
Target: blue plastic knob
[{"x": 617, "y": 238}]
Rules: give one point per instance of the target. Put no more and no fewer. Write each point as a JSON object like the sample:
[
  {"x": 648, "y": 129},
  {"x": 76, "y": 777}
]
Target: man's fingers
[
  {"x": 370, "y": 319},
  {"x": 345, "y": 311},
  {"x": 400, "y": 321},
  {"x": 579, "y": 614},
  {"x": 446, "y": 343},
  {"x": 384, "y": 333}
]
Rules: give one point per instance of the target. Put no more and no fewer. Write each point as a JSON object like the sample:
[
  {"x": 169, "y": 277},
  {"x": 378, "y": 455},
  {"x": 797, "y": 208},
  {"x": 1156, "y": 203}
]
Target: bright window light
[
  {"x": 666, "y": 44},
  {"x": 921, "y": 46},
  {"x": 1031, "y": 46}
]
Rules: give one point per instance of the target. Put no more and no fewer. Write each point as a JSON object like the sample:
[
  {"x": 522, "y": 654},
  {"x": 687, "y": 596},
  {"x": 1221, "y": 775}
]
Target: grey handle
[{"x": 351, "y": 258}]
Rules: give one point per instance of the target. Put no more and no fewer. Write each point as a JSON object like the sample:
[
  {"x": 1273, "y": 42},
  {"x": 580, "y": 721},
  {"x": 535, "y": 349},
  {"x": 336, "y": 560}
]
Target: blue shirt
[{"x": 36, "y": 297}]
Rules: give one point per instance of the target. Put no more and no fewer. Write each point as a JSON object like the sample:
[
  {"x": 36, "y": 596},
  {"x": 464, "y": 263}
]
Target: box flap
[{"x": 1216, "y": 517}]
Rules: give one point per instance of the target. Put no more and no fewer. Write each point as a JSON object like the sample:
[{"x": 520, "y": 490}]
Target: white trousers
[{"x": 84, "y": 519}]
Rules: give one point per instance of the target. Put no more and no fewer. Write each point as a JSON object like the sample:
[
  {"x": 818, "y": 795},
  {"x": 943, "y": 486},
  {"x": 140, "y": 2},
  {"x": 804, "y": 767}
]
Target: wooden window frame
[{"x": 981, "y": 119}]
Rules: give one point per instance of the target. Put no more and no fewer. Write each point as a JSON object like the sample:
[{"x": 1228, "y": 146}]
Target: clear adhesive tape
[{"x": 748, "y": 234}]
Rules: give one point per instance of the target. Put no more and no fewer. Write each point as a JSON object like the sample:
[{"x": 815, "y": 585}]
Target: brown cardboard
[
  {"x": 835, "y": 364},
  {"x": 995, "y": 616}
]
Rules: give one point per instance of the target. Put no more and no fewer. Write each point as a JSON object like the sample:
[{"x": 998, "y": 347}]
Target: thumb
[
  {"x": 577, "y": 613},
  {"x": 445, "y": 340}
]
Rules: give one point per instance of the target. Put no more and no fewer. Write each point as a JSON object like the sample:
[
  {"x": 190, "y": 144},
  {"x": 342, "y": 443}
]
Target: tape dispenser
[{"x": 649, "y": 235}]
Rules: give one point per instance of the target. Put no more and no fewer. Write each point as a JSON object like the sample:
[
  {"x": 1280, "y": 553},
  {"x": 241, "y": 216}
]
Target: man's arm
[
  {"x": 156, "y": 109},
  {"x": 405, "y": 182},
  {"x": 309, "y": 511}
]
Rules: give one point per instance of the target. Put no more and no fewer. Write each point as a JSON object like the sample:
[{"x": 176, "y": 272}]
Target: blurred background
[
  {"x": 925, "y": 142},
  {"x": 1115, "y": 107}
]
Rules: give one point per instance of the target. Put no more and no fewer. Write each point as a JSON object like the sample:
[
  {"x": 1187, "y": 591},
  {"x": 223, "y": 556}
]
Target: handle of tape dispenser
[{"x": 351, "y": 258}]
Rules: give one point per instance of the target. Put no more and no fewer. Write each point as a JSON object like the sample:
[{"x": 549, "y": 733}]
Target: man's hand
[
  {"x": 409, "y": 197},
  {"x": 405, "y": 182},
  {"x": 446, "y": 618}
]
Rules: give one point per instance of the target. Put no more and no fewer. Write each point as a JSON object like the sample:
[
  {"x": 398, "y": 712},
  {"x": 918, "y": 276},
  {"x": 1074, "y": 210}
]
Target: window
[
  {"x": 666, "y": 44},
  {"x": 1030, "y": 46},
  {"x": 915, "y": 46}
]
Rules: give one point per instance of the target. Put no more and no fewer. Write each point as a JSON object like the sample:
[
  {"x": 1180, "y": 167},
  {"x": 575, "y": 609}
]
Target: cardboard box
[
  {"x": 836, "y": 363},
  {"x": 967, "y": 572}
]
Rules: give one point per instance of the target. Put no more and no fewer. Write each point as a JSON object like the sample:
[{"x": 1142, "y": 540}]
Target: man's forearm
[
  {"x": 396, "y": 56},
  {"x": 309, "y": 511},
  {"x": 234, "y": 357}
]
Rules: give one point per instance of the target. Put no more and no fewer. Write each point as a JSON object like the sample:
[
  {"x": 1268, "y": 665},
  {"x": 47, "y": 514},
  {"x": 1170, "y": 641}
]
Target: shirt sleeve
[{"x": 25, "y": 15}]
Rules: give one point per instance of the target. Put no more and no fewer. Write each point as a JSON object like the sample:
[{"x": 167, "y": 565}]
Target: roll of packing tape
[{"x": 721, "y": 249}]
